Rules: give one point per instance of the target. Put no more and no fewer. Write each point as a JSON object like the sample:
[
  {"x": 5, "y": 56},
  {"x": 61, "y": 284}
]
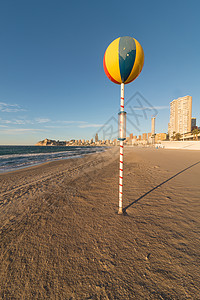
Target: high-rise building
[
  {"x": 193, "y": 123},
  {"x": 180, "y": 115},
  {"x": 144, "y": 136},
  {"x": 153, "y": 129},
  {"x": 96, "y": 138},
  {"x": 149, "y": 135},
  {"x": 153, "y": 126}
]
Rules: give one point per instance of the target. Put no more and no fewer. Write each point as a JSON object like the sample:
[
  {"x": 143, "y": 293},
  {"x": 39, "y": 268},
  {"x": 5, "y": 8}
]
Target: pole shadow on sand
[{"x": 135, "y": 201}]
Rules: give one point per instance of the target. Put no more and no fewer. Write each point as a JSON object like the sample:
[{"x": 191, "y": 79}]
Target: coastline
[
  {"x": 13, "y": 160},
  {"x": 61, "y": 237},
  {"x": 52, "y": 169}
]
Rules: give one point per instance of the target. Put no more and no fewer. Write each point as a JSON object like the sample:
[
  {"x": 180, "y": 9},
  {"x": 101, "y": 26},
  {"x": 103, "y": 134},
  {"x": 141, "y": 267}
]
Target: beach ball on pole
[{"x": 123, "y": 61}]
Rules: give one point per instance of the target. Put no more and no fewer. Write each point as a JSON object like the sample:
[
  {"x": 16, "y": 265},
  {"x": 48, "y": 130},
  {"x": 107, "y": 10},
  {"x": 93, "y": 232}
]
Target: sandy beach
[{"x": 61, "y": 236}]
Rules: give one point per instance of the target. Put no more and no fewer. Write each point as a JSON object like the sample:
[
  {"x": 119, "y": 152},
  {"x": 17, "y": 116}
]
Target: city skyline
[
  {"x": 180, "y": 121},
  {"x": 52, "y": 82}
]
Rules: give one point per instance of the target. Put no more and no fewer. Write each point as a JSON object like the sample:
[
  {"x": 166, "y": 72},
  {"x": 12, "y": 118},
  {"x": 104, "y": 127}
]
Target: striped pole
[
  {"x": 121, "y": 154},
  {"x": 123, "y": 61}
]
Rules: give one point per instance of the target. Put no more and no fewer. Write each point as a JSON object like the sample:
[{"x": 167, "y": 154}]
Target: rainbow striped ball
[{"x": 123, "y": 60}]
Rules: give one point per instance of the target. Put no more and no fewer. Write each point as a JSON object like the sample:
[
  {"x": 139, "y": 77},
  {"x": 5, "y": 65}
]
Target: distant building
[
  {"x": 153, "y": 130},
  {"x": 153, "y": 126},
  {"x": 180, "y": 115},
  {"x": 131, "y": 136},
  {"x": 160, "y": 137},
  {"x": 149, "y": 135},
  {"x": 96, "y": 138},
  {"x": 144, "y": 136},
  {"x": 193, "y": 123},
  {"x": 115, "y": 142},
  {"x": 139, "y": 137}
]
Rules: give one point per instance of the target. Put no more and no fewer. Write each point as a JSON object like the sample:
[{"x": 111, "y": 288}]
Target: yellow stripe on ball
[{"x": 112, "y": 60}]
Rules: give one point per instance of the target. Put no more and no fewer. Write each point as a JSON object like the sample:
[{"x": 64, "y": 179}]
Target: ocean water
[{"x": 17, "y": 157}]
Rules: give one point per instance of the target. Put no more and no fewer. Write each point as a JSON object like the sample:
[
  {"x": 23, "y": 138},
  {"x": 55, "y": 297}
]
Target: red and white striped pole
[{"x": 122, "y": 137}]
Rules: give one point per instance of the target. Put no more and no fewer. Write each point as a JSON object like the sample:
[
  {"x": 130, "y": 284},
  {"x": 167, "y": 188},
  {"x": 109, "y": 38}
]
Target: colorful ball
[{"x": 123, "y": 60}]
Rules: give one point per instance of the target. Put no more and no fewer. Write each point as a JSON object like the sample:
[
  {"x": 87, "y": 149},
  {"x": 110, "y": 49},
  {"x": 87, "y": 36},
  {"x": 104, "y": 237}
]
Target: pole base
[{"x": 120, "y": 211}]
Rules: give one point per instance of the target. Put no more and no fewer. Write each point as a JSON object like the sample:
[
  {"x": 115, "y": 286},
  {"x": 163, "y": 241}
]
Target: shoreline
[
  {"x": 61, "y": 236},
  {"x": 53, "y": 160}
]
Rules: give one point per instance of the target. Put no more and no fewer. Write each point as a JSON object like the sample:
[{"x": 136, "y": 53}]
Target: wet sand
[{"x": 61, "y": 236}]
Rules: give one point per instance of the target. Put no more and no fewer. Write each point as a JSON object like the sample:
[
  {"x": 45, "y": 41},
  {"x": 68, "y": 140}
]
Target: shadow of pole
[{"x": 135, "y": 201}]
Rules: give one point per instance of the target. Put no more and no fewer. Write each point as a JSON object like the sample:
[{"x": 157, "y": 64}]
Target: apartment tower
[
  {"x": 153, "y": 130},
  {"x": 180, "y": 115}
]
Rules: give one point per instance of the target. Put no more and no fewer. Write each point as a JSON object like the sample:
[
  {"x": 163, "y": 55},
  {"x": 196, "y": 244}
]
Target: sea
[{"x": 18, "y": 157}]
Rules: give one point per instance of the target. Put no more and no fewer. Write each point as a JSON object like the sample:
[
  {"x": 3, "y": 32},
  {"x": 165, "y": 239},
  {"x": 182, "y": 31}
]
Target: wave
[
  {"x": 31, "y": 154},
  {"x": 18, "y": 161}
]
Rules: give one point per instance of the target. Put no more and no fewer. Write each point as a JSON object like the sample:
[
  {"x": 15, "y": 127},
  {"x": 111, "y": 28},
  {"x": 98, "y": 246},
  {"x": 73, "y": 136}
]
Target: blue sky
[{"x": 52, "y": 82}]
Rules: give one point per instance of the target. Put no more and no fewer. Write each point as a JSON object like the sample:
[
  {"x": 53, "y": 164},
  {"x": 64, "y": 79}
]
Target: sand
[{"x": 61, "y": 236}]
